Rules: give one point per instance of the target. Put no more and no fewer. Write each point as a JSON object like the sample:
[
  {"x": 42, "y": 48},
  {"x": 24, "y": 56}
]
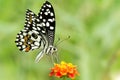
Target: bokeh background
[{"x": 94, "y": 44}]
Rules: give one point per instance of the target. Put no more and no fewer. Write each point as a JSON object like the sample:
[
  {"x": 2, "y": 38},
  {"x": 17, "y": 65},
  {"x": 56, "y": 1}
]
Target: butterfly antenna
[{"x": 58, "y": 42}]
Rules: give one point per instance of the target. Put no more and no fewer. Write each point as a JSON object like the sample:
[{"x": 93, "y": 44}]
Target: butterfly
[{"x": 38, "y": 32}]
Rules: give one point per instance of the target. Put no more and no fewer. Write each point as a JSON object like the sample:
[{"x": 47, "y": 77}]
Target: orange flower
[{"x": 64, "y": 69}]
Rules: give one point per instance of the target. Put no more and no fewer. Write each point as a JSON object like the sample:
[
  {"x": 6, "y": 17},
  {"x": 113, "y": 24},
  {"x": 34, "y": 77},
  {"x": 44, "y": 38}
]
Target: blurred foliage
[{"x": 94, "y": 30}]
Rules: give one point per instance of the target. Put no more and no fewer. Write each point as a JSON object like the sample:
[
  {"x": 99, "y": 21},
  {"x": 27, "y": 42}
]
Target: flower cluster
[{"x": 64, "y": 69}]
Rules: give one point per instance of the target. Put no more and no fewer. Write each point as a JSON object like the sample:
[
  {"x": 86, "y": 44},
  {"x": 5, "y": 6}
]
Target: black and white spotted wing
[
  {"x": 30, "y": 19},
  {"x": 38, "y": 31},
  {"x": 28, "y": 38},
  {"x": 47, "y": 16}
]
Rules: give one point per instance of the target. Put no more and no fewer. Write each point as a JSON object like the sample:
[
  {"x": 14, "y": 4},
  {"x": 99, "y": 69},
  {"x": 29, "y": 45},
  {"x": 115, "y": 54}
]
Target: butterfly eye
[
  {"x": 55, "y": 49},
  {"x": 34, "y": 36}
]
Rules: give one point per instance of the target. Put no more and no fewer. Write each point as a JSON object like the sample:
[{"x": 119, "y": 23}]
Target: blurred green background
[{"x": 94, "y": 44}]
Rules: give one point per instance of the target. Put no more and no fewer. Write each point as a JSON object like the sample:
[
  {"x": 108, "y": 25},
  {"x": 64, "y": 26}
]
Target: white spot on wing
[
  {"x": 17, "y": 36},
  {"x": 37, "y": 43},
  {"x": 46, "y": 13},
  {"x": 28, "y": 25},
  {"x": 22, "y": 40},
  {"x": 32, "y": 45},
  {"x": 44, "y": 6},
  {"x": 38, "y": 28},
  {"x": 34, "y": 25},
  {"x": 21, "y": 36},
  {"x": 30, "y": 32},
  {"x": 51, "y": 14},
  {"x": 19, "y": 47},
  {"x": 20, "y": 32},
  {"x": 47, "y": 24},
  {"x": 42, "y": 9},
  {"x": 34, "y": 28},
  {"x": 47, "y": 9},
  {"x": 40, "y": 17},
  {"x": 40, "y": 12},
  {"x": 27, "y": 19},
  {"x": 38, "y": 39},
  {"x": 26, "y": 28},
  {"x": 39, "y": 25},
  {"x": 29, "y": 42},
  {"x": 44, "y": 20},
  {"x": 43, "y": 24},
  {"x": 27, "y": 16},
  {"x": 24, "y": 34},
  {"x": 51, "y": 27},
  {"x": 16, "y": 43},
  {"x": 33, "y": 19},
  {"x": 38, "y": 20},
  {"x": 20, "y": 43},
  {"x": 48, "y": 5},
  {"x": 24, "y": 49},
  {"x": 53, "y": 19},
  {"x": 32, "y": 13},
  {"x": 50, "y": 20},
  {"x": 35, "y": 47},
  {"x": 43, "y": 31},
  {"x": 23, "y": 46},
  {"x": 35, "y": 31},
  {"x": 28, "y": 22},
  {"x": 17, "y": 39}
]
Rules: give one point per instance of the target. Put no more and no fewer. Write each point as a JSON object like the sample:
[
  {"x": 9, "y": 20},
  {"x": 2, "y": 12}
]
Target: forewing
[{"x": 47, "y": 21}]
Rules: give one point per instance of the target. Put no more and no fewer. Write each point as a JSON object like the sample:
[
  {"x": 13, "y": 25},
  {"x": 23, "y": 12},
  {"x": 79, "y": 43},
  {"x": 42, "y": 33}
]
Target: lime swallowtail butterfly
[{"x": 38, "y": 31}]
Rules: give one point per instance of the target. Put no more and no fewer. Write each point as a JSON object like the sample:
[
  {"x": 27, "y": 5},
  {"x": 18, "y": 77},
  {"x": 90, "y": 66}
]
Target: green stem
[{"x": 63, "y": 78}]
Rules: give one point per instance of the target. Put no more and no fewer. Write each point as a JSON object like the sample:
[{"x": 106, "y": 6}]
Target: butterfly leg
[
  {"x": 56, "y": 57},
  {"x": 39, "y": 56}
]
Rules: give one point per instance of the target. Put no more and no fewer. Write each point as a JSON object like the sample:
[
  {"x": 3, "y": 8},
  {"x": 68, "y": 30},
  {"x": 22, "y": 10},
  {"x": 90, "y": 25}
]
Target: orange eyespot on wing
[
  {"x": 27, "y": 48},
  {"x": 26, "y": 42}
]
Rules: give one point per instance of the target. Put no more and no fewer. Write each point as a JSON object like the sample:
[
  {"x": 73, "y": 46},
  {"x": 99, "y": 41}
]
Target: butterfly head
[
  {"x": 54, "y": 49},
  {"x": 27, "y": 40},
  {"x": 51, "y": 49}
]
